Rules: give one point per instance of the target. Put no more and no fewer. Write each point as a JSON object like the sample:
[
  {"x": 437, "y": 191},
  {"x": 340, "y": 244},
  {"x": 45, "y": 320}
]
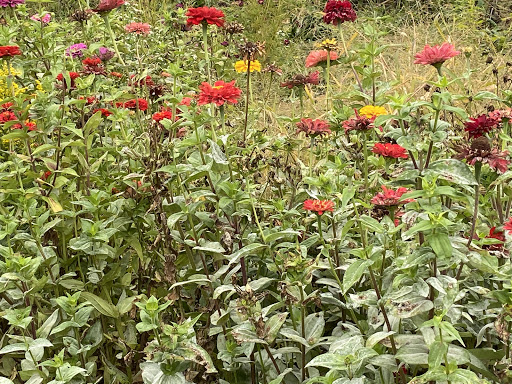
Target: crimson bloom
[
  {"x": 389, "y": 197},
  {"x": 508, "y": 226},
  {"x": 390, "y": 150},
  {"x": 359, "y": 123},
  {"x": 481, "y": 125},
  {"x": 9, "y": 51},
  {"x": 219, "y": 94},
  {"x": 498, "y": 235},
  {"x": 108, "y": 5},
  {"x": 205, "y": 15},
  {"x": 319, "y": 57},
  {"x": 139, "y": 104},
  {"x": 313, "y": 127},
  {"x": 138, "y": 28},
  {"x": 338, "y": 11},
  {"x": 319, "y": 206},
  {"x": 436, "y": 55}
]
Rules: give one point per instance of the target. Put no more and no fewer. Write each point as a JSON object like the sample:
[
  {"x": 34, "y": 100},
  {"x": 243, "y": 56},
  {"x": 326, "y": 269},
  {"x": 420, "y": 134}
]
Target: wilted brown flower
[
  {"x": 272, "y": 68},
  {"x": 234, "y": 28},
  {"x": 81, "y": 16},
  {"x": 481, "y": 151},
  {"x": 251, "y": 51}
]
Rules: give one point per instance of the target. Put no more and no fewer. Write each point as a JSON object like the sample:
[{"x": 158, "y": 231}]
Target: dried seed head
[
  {"x": 481, "y": 144},
  {"x": 234, "y": 28}
]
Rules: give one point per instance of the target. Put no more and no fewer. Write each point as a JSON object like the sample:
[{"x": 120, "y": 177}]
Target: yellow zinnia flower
[
  {"x": 328, "y": 44},
  {"x": 370, "y": 111},
  {"x": 241, "y": 66}
]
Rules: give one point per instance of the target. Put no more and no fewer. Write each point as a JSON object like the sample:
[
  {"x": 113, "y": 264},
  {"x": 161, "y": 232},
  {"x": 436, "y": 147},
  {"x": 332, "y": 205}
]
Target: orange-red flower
[
  {"x": 390, "y": 150},
  {"x": 390, "y": 197},
  {"x": 436, "y": 55},
  {"x": 219, "y": 94},
  {"x": 108, "y": 5},
  {"x": 319, "y": 206},
  {"x": 159, "y": 116},
  {"x": 207, "y": 15},
  {"x": 338, "y": 11},
  {"x": 319, "y": 57},
  {"x": 104, "y": 112},
  {"x": 313, "y": 127},
  {"x": 116, "y": 74},
  {"x": 9, "y": 51}
]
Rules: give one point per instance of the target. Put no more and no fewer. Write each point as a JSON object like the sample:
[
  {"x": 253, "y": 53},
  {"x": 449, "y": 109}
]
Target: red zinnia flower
[
  {"x": 159, "y": 116},
  {"x": 481, "y": 125},
  {"x": 138, "y": 28},
  {"x": 313, "y": 127},
  {"x": 72, "y": 76},
  {"x": 92, "y": 61},
  {"x": 104, "y": 112},
  {"x": 6, "y": 106},
  {"x": 338, "y": 11},
  {"x": 31, "y": 126},
  {"x": 436, "y": 55},
  {"x": 390, "y": 150},
  {"x": 208, "y": 15},
  {"x": 390, "y": 197},
  {"x": 219, "y": 94},
  {"x": 7, "y": 116},
  {"x": 147, "y": 81},
  {"x": 319, "y": 206},
  {"x": 498, "y": 235},
  {"x": 46, "y": 175},
  {"x": 319, "y": 57},
  {"x": 140, "y": 104},
  {"x": 108, "y": 5},
  {"x": 9, "y": 50},
  {"x": 508, "y": 226},
  {"x": 116, "y": 74}
]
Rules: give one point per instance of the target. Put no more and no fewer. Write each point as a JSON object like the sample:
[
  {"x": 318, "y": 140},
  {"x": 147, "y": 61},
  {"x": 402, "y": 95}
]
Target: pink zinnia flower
[
  {"x": 319, "y": 57},
  {"x": 45, "y": 19},
  {"x": 390, "y": 197},
  {"x": 138, "y": 28},
  {"x": 436, "y": 55},
  {"x": 319, "y": 206}
]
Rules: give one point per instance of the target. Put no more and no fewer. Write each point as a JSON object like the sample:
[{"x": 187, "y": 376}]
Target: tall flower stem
[
  {"x": 327, "y": 78},
  {"x": 311, "y": 156},
  {"x": 206, "y": 52},
  {"x": 113, "y": 38},
  {"x": 478, "y": 168},
  {"x": 365, "y": 154},
  {"x": 248, "y": 86},
  {"x": 10, "y": 81}
]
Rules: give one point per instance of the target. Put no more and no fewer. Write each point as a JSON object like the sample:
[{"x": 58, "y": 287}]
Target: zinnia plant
[
  {"x": 436, "y": 55},
  {"x": 319, "y": 206},
  {"x": 390, "y": 197},
  {"x": 390, "y": 150}
]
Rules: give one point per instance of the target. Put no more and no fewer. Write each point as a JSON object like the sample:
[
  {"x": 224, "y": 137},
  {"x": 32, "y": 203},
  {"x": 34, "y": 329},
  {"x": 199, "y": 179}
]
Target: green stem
[
  {"x": 113, "y": 38},
  {"x": 327, "y": 78},
  {"x": 206, "y": 53}
]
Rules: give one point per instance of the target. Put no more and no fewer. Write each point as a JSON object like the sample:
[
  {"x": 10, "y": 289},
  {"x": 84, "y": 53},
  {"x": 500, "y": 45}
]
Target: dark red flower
[
  {"x": 139, "y": 104},
  {"x": 108, "y": 5},
  {"x": 208, "y": 15},
  {"x": 159, "y": 116},
  {"x": 313, "y": 127},
  {"x": 9, "y": 50},
  {"x": 481, "y": 125},
  {"x": 301, "y": 80},
  {"x": 358, "y": 123},
  {"x": 219, "y": 94},
  {"x": 104, "y": 112},
  {"x": 390, "y": 197},
  {"x": 480, "y": 151},
  {"x": 390, "y": 150},
  {"x": 46, "y": 175},
  {"x": 319, "y": 206},
  {"x": 338, "y": 11},
  {"x": 508, "y": 226},
  {"x": 72, "y": 76},
  {"x": 6, "y": 106}
]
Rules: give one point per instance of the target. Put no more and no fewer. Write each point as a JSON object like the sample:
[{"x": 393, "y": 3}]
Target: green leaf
[
  {"x": 372, "y": 224},
  {"x": 245, "y": 251},
  {"x": 101, "y": 305},
  {"x": 210, "y": 246},
  {"x": 452, "y": 170},
  {"x": 273, "y": 325},
  {"x": 441, "y": 245},
  {"x": 330, "y": 361},
  {"x": 436, "y": 354},
  {"x": 377, "y": 337},
  {"x": 354, "y": 273}
]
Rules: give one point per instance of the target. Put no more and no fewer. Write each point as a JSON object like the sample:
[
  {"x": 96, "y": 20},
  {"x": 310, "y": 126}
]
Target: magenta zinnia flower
[
  {"x": 319, "y": 57},
  {"x": 76, "y": 50},
  {"x": 338, "y": 11},
  {"x": 11, "y": 3},
  {"x": 436, "y": 55}
]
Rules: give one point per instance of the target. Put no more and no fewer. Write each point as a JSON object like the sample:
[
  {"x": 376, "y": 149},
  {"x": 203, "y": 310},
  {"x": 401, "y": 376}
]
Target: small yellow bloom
[
  {"x": 371, "y": 111},
  {"x": 241, "y": 66},
  {"x": 328, "y": 44}
]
